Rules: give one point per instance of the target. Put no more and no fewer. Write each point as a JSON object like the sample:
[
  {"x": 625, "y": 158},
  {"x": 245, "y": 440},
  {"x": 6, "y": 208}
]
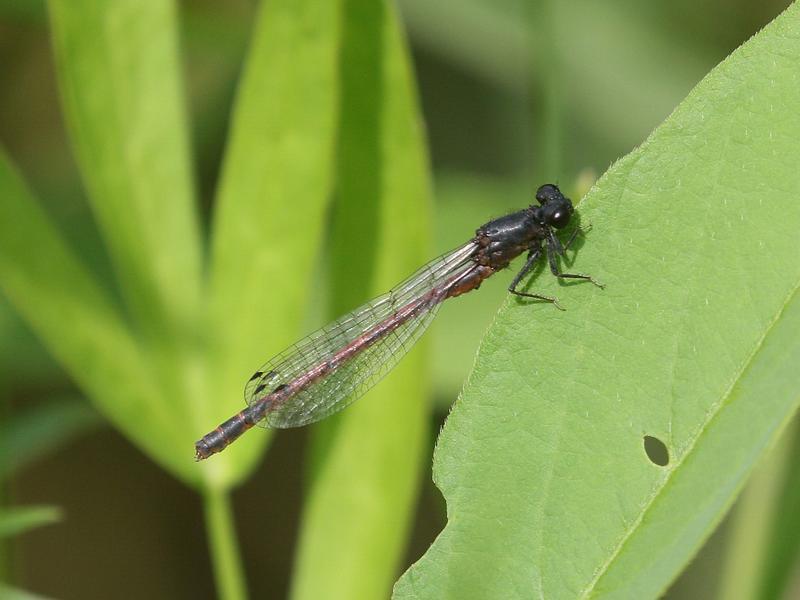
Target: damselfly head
[{"x": 556, "y": 209}]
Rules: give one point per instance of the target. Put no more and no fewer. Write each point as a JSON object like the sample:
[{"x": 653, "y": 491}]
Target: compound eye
[
  {"x": 557, "y": 214},
  {"x": 560, "y": 218}
]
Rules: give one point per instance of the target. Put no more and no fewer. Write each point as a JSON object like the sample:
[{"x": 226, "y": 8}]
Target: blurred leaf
[
  {"x": 119, "y": 76},
  {"x": 9, "y": 593},
  {"x": 626, "y": 50},
  {"x": 79, "y": 324},
  {"x": 783, "y": 548},
  {"x": 26, "y": 436},
  {"x": 754, "y": 525},
  {"x": 482, "y": 37},
  {"x": 593, "y": 53},
  {"x": 268, "y": 224},
  {"x": 357, "y": 516},
  {"x": 22, "y": 357},
  {"x": 14, "y": 521},
  {"x": 695, "y": 341},
  {"x": 23, "y": 10}
]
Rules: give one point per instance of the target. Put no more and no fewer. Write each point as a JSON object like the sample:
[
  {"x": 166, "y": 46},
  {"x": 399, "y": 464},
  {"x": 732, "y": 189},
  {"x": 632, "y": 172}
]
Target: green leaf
[
  {"x": 31, "y": 11},
  {"x": 119, "y": 77},
  {"x": 26, "y": 436},
  {"x": 21, "y": 355},
  {"x": 269, "y": 222},
  {"x": 776, "y": 575},
  {"x": 758, "y": 551},
  {"x": 118, "y": 69},
  {"x": 14, "y": 521},
  {"x": 80, "y": 325},
  {"x": 695, "y": 341},
  {"x": 357, "y": 516},
  {"x": 10, "y": 593}
]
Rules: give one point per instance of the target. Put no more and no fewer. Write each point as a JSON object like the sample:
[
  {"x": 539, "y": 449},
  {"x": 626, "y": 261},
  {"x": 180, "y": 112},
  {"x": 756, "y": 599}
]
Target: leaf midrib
[{"x": 605, "y": 567}]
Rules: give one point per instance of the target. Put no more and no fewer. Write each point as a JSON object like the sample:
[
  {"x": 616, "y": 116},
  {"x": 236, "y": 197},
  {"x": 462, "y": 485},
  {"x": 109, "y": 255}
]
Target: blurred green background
[{"x": 513, "y": 94}]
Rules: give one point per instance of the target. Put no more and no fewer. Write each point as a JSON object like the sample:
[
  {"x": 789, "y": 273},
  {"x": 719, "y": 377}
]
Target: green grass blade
[
  {"x": 356, "y": 520},
  {"x": 694, "y": 341},
  {"x": 14, "y": 521},
  {"x": 275, "y": 186},
  {"x": 119, "y": 74}
]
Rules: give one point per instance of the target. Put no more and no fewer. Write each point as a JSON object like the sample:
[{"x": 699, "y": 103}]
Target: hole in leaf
[{"x": 656, "y": 451}]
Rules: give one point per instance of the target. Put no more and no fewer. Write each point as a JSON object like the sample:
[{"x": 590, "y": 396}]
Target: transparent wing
[{"x": 354, "y": 376}]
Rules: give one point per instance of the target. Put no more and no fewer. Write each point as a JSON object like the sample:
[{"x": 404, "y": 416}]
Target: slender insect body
[
  {"x": 332, "y": 367},
  {"x": 504, "y": 235}
]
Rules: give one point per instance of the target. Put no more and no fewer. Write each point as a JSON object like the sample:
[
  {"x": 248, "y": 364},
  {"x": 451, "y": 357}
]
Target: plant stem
[{"x": 225, "y": 558}]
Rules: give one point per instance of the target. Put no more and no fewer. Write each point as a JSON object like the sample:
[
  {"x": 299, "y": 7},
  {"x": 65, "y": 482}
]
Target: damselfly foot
[{"x": 551, "y": 299}]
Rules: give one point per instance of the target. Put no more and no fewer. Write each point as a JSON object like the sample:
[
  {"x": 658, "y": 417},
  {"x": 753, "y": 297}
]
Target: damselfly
[{"x": 332, "y": 367}]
